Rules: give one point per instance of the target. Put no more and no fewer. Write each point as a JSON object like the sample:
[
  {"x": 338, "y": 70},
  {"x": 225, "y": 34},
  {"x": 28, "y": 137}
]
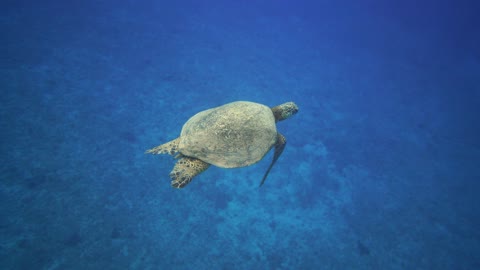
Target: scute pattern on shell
[{"x": 234, "y": 135}]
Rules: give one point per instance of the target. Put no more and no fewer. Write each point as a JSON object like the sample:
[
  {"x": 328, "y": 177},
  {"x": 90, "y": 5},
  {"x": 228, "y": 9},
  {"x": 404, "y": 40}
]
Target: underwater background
[{"x": 381, "y": 169}]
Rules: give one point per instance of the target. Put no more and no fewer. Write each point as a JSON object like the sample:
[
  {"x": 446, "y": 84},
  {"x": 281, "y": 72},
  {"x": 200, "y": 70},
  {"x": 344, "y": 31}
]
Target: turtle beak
[
  {"x": 295, "y": 110},
  {"x": 292, "y": 108}
]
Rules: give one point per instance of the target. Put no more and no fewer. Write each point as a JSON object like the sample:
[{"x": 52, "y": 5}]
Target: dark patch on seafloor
[{"x": 362, "y": 249}]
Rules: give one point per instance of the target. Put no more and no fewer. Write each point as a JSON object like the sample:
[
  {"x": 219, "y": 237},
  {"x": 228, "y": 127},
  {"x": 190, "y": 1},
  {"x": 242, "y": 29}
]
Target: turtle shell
[{"x": 234, "y": 135}]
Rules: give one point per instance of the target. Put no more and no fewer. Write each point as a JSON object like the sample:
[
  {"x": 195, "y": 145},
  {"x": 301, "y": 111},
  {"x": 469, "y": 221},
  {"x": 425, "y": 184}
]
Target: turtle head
[{"x": 284, "y": 111}]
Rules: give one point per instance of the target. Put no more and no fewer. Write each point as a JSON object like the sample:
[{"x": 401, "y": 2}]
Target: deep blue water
[{"x": 381, "y": 169}]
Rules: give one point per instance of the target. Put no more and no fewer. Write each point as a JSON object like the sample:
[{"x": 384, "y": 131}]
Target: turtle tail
[{"x": 170, "y": 148}]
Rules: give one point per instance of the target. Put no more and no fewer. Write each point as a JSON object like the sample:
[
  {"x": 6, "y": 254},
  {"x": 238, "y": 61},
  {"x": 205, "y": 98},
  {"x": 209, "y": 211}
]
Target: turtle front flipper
[
  {"x": 170, "y": 148},
  {"x": 185, "y": 170},
  {"x": 279, "y": 146}
]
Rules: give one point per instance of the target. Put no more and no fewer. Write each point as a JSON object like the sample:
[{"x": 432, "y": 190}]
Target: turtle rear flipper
[
  {"x": 170, "y": 148},
  {"x": 279, "y": 146},
  {"x": 185, "y": 170}
]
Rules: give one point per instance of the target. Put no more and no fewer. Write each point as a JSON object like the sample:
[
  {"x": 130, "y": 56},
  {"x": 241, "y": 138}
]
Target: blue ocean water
[{"x": 381, "y": 169}]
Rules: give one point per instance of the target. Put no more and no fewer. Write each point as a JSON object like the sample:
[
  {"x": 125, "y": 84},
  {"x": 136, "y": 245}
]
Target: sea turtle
[{"x": 233, "y": 135}]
